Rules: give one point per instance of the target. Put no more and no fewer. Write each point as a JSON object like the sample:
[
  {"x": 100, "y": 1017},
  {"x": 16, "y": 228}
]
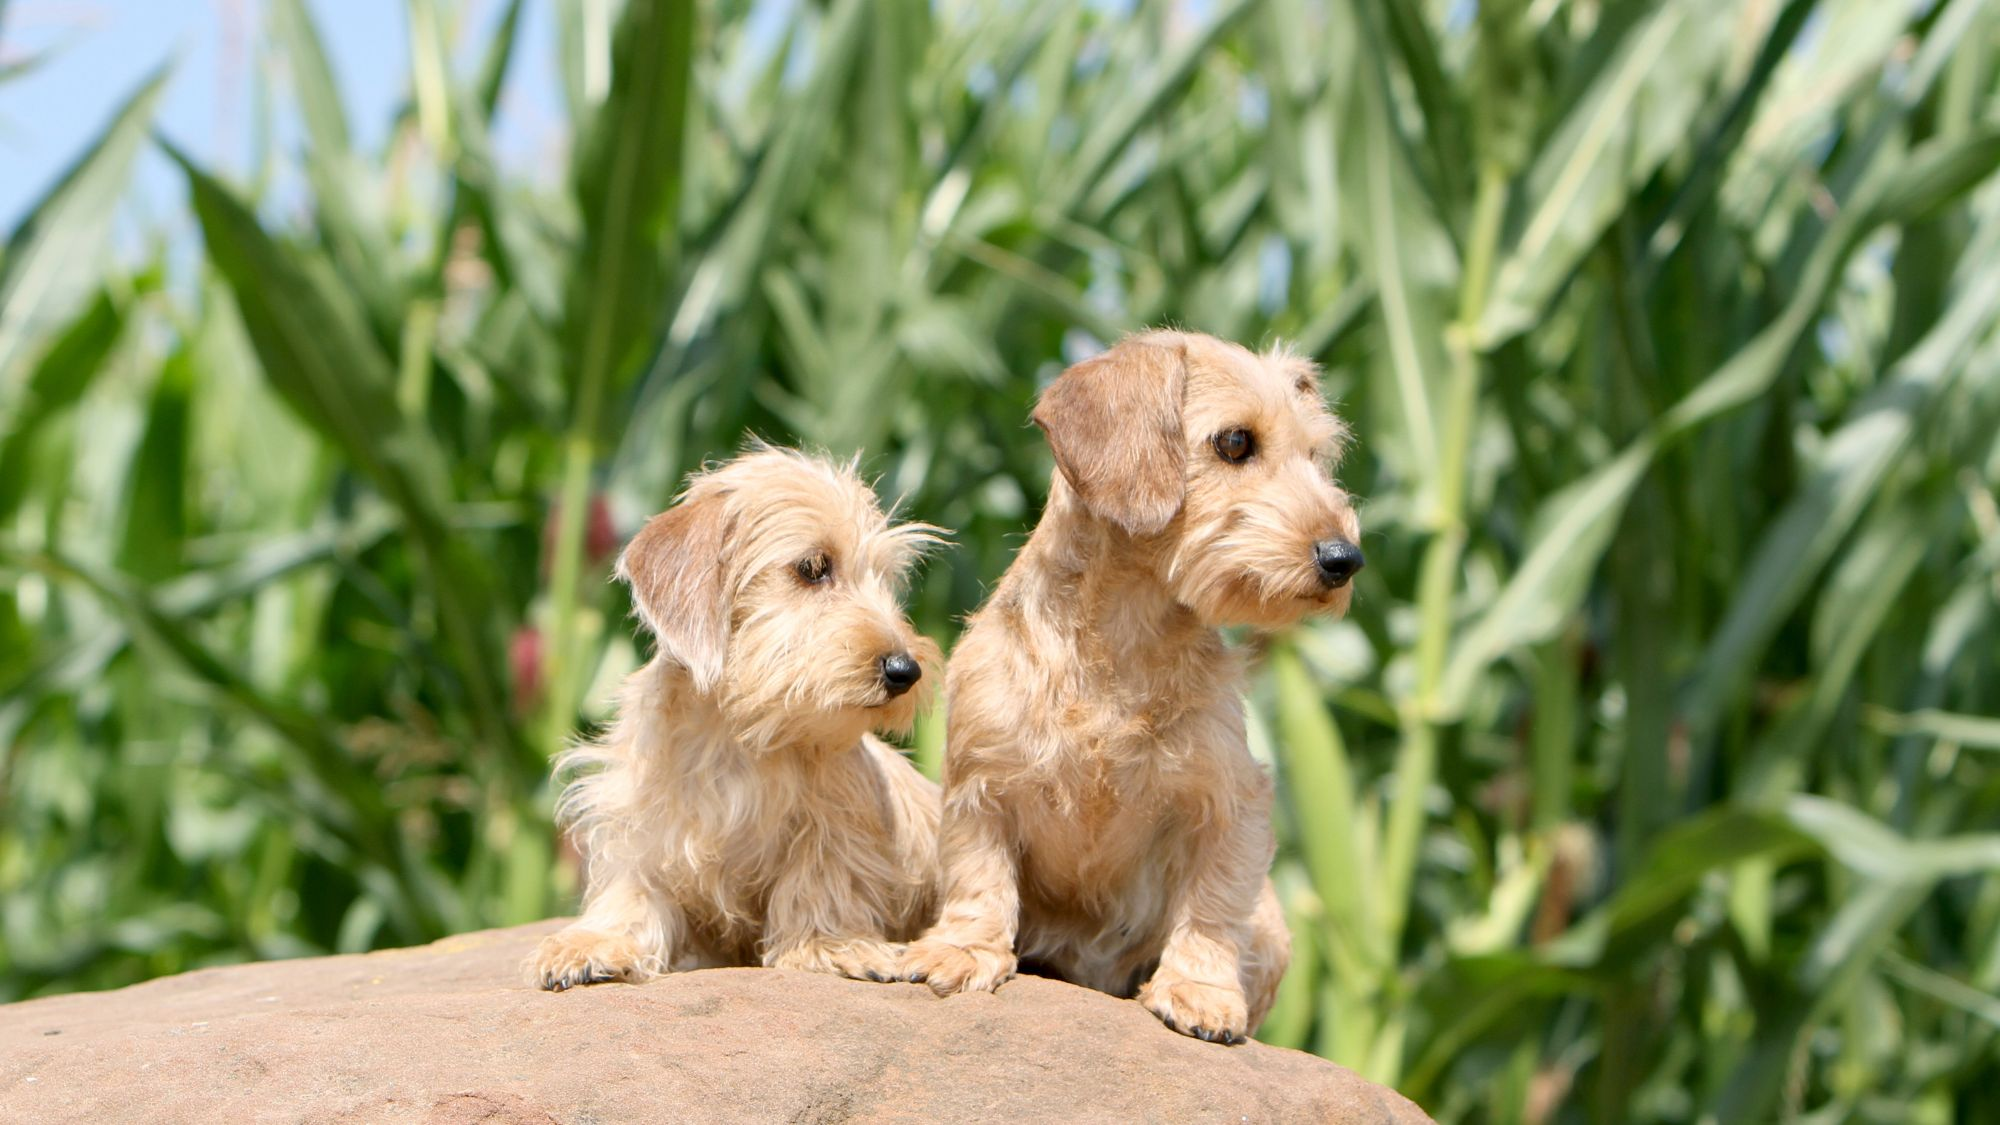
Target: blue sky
[{"x": 98, "y": 51}]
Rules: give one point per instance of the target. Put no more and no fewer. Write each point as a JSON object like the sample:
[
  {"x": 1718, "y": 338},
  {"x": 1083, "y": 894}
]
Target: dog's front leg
[
  {"x": 1198, "y": 988},
  {"x": 972, "y": 946},
  {"x": 626, "y": 933}
]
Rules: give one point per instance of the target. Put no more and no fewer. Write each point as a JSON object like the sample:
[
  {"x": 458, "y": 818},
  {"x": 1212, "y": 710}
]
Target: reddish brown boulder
[{"x": 449, "y": 1033}]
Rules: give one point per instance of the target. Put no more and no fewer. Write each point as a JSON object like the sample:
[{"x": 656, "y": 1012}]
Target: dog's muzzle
[
  {"x": 1338, "y": 562},
  {"x": 900, "y": 673}
]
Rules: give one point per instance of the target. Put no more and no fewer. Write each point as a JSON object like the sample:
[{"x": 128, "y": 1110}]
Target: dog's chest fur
[
  {"x": 741, "y": 821},
  {"x": 1108, "y": 734},
  {"x": 714, "y": 826}
]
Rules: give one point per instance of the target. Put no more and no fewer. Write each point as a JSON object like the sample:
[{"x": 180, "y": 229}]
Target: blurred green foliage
[{"x": 1652, "y": 776}]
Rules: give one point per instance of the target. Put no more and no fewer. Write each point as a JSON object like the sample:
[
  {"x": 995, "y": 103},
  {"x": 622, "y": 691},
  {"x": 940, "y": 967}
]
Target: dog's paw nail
[
  {"x": 917, "y": 977},
  {"x": 875, "y": 976}
]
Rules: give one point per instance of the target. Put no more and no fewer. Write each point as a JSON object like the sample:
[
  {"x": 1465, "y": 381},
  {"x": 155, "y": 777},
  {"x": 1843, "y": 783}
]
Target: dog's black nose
[
  {"x": 900, "y": 673},
  {"x": 1338, "y": 560}
]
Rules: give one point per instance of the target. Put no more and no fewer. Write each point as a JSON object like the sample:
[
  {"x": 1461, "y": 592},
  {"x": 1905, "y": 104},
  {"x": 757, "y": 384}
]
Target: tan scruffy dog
[
  {"x": 1104, "y": 820},
  {"x": 739, "y": 812}
]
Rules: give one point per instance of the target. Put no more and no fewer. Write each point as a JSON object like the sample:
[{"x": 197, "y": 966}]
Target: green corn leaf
[
  {"x": 1448, "y": 151},
  {"x": 1573, "y": 529},
  {"x": 1677, "y": 861},
  {"x": 1407, "y": 259},
  {"x": 1938, "y": 174},
  {"x": 627, "y": 180},
  {"x": 1112, "y": 128},
  {"x": 731, "y": 264},
  {"x": 1315, "y": 762},
  {"x": 1821, "y": 517},
  {"x": 330, "y": 780},
  {"x": 354, "y": 234},
  {"x": 1874, "y": 851},
  {"x": 1975, "y": 731},
  {"x": 187, "y": 597},
  {"x": 45, "y": 272},
  {"x": 430, "y": 73},
  {"x": 61, "y": 376},
  {"x": 157, "y": 521},
  {"x": 320, "y": 105},
  {"x": 1576, "y": 525},
  {"x": 1942, "y": 987},
  {"x": 316, "y": 353},
  {"x": 1636, "y": 113},
  {"x": 1725, "y": 140},
  {"x": 315, "y": 348},
  {"x": 499, "y": 54}
]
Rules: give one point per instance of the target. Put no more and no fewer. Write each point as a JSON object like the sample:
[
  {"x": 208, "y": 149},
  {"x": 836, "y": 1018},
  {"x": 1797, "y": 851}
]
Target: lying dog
[
  {"x": 1104, "y": 820},
  {"x": 739, "y": 812}
]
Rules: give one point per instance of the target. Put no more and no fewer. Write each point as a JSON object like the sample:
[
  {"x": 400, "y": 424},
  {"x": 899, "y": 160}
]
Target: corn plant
[{"x": 1651, "y": 776}]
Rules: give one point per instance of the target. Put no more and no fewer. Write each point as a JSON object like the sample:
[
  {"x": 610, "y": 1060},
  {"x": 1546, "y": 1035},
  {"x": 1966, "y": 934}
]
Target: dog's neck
[{"x": 1100, "y": 588}]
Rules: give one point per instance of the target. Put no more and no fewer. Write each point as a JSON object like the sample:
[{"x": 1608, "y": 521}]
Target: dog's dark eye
[
  {"x": 1234, "y": 446},
  {"x": 815, "y": 568}
]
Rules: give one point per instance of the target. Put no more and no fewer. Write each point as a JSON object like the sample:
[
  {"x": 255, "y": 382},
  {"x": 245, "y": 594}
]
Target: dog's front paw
[
  {"x": 1209, "y": 1012},
  {"x": 860, "y": 960},
  {"x": 577, "y": 956},
  {"x": 949, "y": 968}
]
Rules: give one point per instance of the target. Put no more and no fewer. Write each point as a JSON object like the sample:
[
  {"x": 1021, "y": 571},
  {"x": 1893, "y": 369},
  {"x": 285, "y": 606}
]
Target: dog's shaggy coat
[
  {"x": 739, "y": 812},
  {"x": 1104, "y": 820}
]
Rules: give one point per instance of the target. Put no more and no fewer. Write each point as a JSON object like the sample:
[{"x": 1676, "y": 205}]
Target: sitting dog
[
  {"x": 1104, "y": 820},
  {"x": 739, "y": 812}
]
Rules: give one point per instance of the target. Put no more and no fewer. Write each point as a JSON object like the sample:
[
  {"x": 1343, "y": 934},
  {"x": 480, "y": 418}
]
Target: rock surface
[{"x": 449, "y": 1033}]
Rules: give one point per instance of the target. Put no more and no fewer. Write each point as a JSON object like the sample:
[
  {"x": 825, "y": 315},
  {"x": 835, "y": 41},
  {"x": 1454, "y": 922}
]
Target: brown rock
[{"x": 449, "y": 1033}]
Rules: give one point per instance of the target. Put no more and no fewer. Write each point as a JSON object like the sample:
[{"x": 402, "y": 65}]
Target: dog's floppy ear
[
  {"x": 1114, "y": 422},
  {"x": 674, "y": 566}
]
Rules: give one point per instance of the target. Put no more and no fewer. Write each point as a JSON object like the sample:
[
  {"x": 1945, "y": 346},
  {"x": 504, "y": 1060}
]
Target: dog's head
[
  {"x": 1220, "y": 461},
  {"x": 775, "y": 581}
]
